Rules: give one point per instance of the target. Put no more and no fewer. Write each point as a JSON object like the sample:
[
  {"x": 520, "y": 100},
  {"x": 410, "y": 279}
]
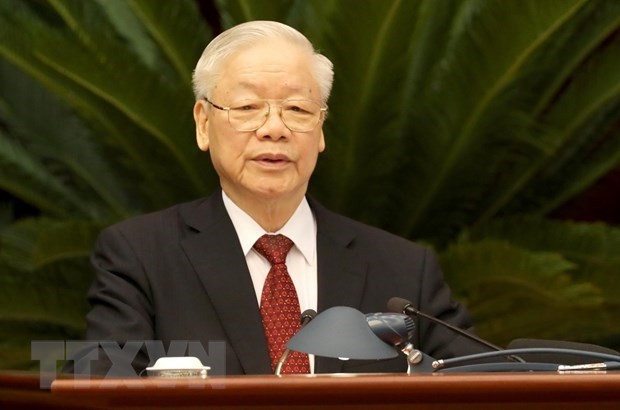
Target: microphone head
[
  {"x": 306, "y": 316},
  {"x": 392, "y": 328},
  {"x": 398, "y": 305}
]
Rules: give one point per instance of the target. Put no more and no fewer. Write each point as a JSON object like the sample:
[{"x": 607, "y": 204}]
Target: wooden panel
[{"x": 379, "y": 391}]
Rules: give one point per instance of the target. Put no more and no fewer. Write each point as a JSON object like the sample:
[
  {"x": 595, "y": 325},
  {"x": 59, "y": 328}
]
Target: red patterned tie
[{"x": 279, "y": 304}]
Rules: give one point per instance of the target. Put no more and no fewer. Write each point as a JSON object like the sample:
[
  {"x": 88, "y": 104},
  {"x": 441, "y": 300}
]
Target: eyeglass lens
[{"x": 297, "y": 115}]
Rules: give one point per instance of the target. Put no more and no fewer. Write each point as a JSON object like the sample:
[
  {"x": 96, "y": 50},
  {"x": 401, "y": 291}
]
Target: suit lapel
[
  {"x": 341, "y": 271},
  {"x": 213, "y": 249},
  {"x": 225, "y": 276}
]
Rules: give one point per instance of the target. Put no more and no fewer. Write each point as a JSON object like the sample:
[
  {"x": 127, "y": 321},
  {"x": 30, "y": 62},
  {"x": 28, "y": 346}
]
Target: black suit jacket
[{"x": 180, "y": 274}]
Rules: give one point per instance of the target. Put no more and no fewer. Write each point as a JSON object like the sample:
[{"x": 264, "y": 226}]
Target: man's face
[{"x": 272, "y": 162}]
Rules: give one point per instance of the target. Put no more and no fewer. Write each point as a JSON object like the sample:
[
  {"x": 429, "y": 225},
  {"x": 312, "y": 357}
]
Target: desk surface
[
  {"x": 448, "y": 391},
  {"x": 480, "y": 390}
]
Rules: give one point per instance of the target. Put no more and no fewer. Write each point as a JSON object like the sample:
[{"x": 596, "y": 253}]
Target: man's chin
[{"x": 277, "y": 192}]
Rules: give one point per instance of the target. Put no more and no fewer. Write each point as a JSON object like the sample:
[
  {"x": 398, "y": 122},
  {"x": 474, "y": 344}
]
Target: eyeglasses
[{"x": 250, "y": 115}]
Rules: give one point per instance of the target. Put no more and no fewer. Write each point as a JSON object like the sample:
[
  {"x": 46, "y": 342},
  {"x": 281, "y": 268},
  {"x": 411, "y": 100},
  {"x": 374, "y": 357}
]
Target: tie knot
[{"x": 274, "y": 248}]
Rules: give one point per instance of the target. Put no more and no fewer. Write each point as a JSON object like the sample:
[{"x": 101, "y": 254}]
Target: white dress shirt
[{"x": 301, "y": 261}]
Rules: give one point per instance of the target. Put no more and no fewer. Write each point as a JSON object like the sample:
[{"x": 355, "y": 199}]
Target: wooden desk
[
  {"x": 21, "y": 390},
  {"x": 451, "y": 391},
  {"x": 482, "y": 391}
]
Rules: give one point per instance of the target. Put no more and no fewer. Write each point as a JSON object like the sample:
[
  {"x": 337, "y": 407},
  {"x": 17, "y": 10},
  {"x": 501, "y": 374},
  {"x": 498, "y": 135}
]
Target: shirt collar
[{"x": 300, "y": 228}]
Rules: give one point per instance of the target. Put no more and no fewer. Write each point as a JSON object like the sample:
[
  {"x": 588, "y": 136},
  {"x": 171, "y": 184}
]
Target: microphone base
[{"x": 419, "y": 363}]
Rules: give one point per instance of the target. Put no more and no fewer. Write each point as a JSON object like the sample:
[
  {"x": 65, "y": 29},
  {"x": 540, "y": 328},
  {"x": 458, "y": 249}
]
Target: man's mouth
[{"x": 272, "y": 159}]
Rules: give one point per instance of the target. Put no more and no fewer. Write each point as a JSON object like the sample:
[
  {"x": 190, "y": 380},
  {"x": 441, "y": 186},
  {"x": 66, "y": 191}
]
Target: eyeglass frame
[{"x": 322, "y": 110}]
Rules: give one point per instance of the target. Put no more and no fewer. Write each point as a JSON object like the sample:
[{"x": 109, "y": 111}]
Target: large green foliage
[{"x": 460, "y": 123}]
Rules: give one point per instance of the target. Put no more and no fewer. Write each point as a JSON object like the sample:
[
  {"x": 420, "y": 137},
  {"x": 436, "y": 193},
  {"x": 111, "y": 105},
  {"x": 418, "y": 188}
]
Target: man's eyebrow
[
  {"x": 245, "y": 84},
  {"x": 253, "y": 86}
]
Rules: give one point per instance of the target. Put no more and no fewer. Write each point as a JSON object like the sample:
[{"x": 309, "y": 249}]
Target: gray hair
[{"x": 207, "y": 71}]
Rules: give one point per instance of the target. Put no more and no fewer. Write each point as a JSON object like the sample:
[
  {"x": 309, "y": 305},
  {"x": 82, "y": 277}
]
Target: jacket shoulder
[{"x": 362, "y": 233}]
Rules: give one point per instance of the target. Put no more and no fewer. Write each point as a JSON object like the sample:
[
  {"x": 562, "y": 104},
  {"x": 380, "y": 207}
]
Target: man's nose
[{"x": 274, "y": 127}]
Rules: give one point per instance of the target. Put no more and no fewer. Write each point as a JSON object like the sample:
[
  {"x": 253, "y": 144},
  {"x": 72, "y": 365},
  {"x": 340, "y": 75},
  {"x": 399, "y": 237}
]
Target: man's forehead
[
  {"x": 273, "y": 52},
  {"x": 255, "y": 71}
]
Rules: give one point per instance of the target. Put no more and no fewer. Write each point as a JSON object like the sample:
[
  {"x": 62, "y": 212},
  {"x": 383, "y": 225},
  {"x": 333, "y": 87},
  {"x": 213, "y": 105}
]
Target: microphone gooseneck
[
  {"x": 305, "y": 318},
  {"x": 612, "y": 362},
  {"x": 401, "y": 305},
  {"x": 607, "y": 359}
]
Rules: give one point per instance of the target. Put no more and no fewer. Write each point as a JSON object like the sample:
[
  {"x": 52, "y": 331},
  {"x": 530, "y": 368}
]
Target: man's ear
[
  {"x": 322, "y": 142},
  {"x": 202, "y": 130}
]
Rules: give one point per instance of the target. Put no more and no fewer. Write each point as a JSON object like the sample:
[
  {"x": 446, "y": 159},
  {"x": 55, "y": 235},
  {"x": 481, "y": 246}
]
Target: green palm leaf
[
  {"x": 513, "y": 292},
  {"x": 479, "y": 72},
  {"x": 48, "y": 304},
  {"x": 589, "y": 146},
  {"x": 579, "y": 45},
  {"x": 26, "y": 178},
  {"x": 172, "y": 24},
  {"x": 59, "y": 139},
  {"x": 364, "y": 141},
  {"x": 591, "y": 249},
  {"x": 109, "y": 92},
  {"x": 579, "y": 242},
  {"x": 32, "y": 244},
  {"x": 238, "y": 11}
]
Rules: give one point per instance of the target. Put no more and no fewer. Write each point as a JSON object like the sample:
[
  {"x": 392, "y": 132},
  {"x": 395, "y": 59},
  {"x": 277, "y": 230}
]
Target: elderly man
[{"x": 239, "y": 266}]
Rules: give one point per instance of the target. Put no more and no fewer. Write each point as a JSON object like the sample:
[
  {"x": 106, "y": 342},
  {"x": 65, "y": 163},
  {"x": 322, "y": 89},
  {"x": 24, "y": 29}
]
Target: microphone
[
  {"x": 305, "y": 318},
  {"x": 397, "y": 330},
  {"x": 401, "y": 305},
  {"x": 554, "y": 350}
]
